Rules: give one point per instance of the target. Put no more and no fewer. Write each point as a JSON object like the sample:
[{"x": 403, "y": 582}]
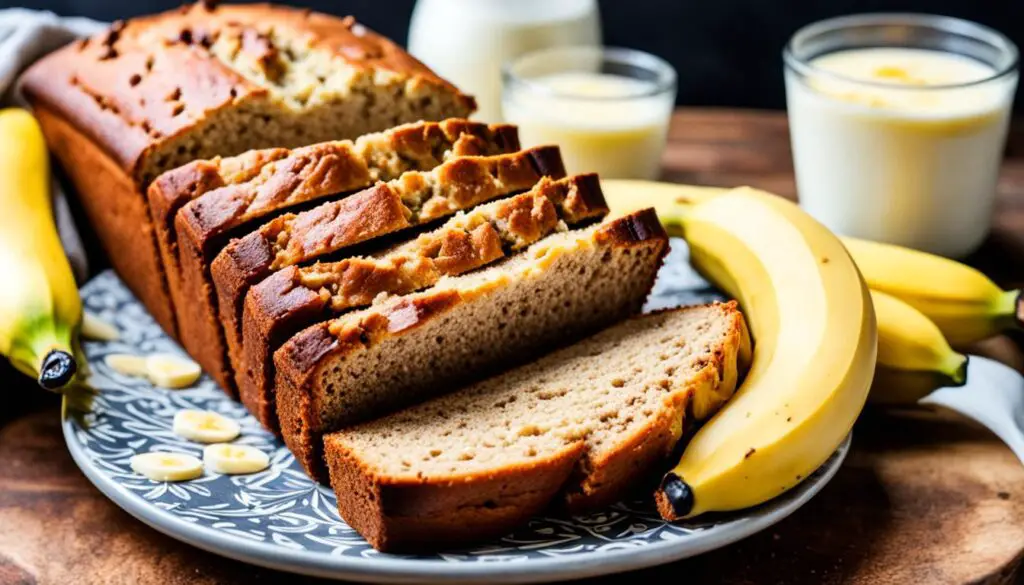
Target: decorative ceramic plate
[{"x": 281, "y": 519}]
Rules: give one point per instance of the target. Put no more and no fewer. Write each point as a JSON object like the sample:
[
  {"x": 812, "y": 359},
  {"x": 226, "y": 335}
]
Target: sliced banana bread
[
  {"x": 410, "y": 347},
  {"x": 203, "y": 226},
  {"x": 157, "y": 92},
  {"x": 315, "y": 171},
  {"x": 293, "y": 298},
  {"x": 577, "y": 428}
]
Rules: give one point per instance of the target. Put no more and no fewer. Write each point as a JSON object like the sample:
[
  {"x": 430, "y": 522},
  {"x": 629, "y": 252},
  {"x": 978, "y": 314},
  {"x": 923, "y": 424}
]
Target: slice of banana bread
[
  {"x": 293, "y": 298},
  {"x": 204, "y": 224},
  {"x": 157, "y": 92},
  {"x": 408, "y": 348},
  {"x": 578, "y": 428},
  {"x": 320, "y": 169}
]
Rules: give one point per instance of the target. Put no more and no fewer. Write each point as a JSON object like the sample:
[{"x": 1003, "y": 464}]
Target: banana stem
[
  {"x": 1009, "y": 309},
  {"x": 58, "y": 368},
  {"x": 959, "y": 375}
]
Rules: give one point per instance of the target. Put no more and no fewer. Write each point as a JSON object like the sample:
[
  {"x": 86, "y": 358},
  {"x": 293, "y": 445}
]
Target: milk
[
  {"x": 609, "y": 124},
  {"x": 890, "y": 145},
  {"x": 468, "y": 41}
]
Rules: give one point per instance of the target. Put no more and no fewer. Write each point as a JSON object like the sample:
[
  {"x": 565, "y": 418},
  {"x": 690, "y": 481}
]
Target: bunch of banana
[
  {"x": 964, "y": 304},
  {"x": 914, "y": 358},
  {"x": 40, "y": 310},
  {"x": 782, "y": 267},
  {"x": 924, "y": 303},
  {"x": 815, "y": 342}
]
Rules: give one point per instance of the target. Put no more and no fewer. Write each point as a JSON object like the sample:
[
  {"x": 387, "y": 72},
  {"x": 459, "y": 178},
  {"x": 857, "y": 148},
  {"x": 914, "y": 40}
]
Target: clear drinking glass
[
  {"x": 607, "y": 108},
  {"x": 906, "y": 152}
]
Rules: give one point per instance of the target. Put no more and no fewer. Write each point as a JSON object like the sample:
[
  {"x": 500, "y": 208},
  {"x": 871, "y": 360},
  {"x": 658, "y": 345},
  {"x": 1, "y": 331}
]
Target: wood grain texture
[{"x": 923, "y": 498}]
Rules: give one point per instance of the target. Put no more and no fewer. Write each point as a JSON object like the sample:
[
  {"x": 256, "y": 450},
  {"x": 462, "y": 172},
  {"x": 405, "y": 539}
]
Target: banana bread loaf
[
  {"x": 577, "y": 428},
  {"x": 321, "y": 169},
  {"x": 204, "y": 224},
  {"x": 295, "y": 297},
  {"x": 407, "y": 348},
  {"x": 157, "y": 92}
]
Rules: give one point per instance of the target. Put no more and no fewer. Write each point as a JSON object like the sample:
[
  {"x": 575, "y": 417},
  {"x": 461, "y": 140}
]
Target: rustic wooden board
[{"x": 923, "y": 497}]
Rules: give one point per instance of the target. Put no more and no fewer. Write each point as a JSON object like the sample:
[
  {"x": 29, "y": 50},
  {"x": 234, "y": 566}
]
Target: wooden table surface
[{"x": 923, "y": 497}]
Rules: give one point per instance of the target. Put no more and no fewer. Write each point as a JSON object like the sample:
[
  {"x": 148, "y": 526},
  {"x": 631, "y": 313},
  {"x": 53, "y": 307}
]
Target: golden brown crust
[
  {"x": 288, "y": 300},
  {"x": 316, "y": 172},
  {"x": 117, "y": 91},
  {"x": 426, "y": 142},
  {"x": 635, "y": 227},
  {"x": 155, "y": 92},
  {"x": 584, "y": 196},
  {"x": 268, "y": 176},
  {"x": 202, "y": 223},
  {"x": 295, "y": 410},
  {"x": 411, "y": 516},
  {"x": 116, "y": 212},
  {"x": 325, "y": 169},
  {"x": 173, "y": 189},
  {"x": 306, "y": 175},
  {"x": 273, "y": 310},
  {"x": 371, "y": 213},
  {"x": 454, "y": 252},
  {"x": 134, "y": 86},
  {"x": 299, "y": 361},
  {"x": 473, "y": 180}
]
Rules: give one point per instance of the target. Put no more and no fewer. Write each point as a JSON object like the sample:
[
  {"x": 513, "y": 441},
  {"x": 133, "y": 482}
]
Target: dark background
[{"x": 727, "y": 52}]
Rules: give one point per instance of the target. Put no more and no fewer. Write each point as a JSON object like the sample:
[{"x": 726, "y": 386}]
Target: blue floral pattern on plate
[{"x": 281, "y": 518}]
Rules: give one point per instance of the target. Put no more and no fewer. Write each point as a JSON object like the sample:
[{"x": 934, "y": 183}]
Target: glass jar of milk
[
  {"x": 608, "y": 109},
  {"x": 468, "y": 41},
  {"x": 898, "y": 124}
]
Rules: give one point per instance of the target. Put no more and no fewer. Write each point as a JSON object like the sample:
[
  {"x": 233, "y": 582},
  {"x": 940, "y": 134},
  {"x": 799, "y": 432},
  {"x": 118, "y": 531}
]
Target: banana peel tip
[
  {"x": 674, "y": 498},
  {"x": 58, "y": 369}
]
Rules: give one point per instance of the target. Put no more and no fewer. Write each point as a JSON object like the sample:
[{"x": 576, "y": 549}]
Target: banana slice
[
  {"x": 204, "y": 426},
  {"x": 161, "y": 466},
  {"x": 235, "y": 459},
  {"x": 97, "y": 329},
  {"x": 171, "y": 371},
  {"x": 127, "y": 364}
]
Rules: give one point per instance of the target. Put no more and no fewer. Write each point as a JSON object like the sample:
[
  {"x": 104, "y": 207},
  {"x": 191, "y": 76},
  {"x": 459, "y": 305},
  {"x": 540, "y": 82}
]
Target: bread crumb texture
[
  {"x": 559, "y": 289},
  {"x": 601, "y": 391}
]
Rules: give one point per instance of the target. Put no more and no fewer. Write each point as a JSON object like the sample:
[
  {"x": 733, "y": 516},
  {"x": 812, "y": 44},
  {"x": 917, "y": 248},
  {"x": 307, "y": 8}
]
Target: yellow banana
[
  {"x": 40, "y": 310},
  {"x": 964, "y": 303},
  {"x": 669, "y": 200},
  {"x": 913, "y": 357},
  {"x": 815, "y": 345}
]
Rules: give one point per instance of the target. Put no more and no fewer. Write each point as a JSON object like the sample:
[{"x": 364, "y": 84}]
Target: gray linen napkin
[{"x": 25, "y": 36}]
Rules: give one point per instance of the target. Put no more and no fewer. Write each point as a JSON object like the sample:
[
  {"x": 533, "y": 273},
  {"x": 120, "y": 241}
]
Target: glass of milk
[
  {"x": 607, "y": 108},
  {"x": 898, "y": 124},
  {"x": 468, "y": 41}
]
